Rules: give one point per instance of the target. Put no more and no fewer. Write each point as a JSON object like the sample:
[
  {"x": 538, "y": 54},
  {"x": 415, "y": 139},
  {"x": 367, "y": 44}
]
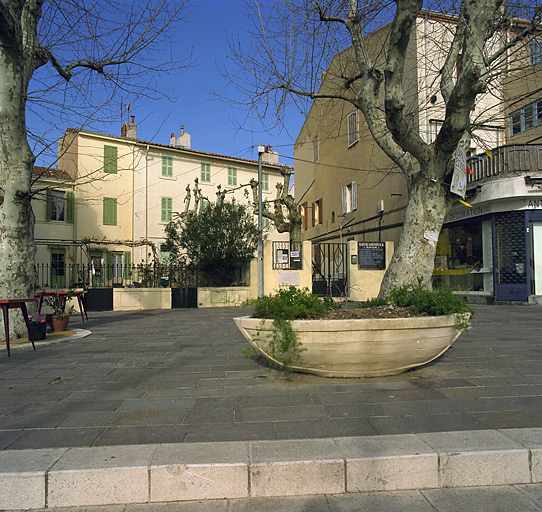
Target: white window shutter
[
  {"x": 354, "y": 196},
  {"x": 344, "y": 200}
]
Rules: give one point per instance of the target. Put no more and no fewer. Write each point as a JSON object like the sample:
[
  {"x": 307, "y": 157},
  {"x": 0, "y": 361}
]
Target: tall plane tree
[
  {"x": 295, "y": 44},
  {"x": 96, "y": 48}
]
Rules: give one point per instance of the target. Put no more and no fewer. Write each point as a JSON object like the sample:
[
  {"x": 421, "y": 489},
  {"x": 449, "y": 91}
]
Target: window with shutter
[
  {"x": 167, "y": 166},
  {"x": 109, "y": 211},
  {"x": 70, "y": 206},
  {"x": 110, "y": 159},
  {"x": 167, "y": 209},
  {"x": 205, "y": 172},
  {"x": 232, "y": 176},
  {"x": 265, "y": 182},
  {"x": 352, "y": 122}
]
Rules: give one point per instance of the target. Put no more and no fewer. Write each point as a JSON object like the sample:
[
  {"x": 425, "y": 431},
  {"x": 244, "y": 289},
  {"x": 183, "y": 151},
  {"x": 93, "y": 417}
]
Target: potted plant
[
  {"x": 298, "y": 331},
  {"x": 37, "y": 328},
  {"x": 60, "y": 316}
]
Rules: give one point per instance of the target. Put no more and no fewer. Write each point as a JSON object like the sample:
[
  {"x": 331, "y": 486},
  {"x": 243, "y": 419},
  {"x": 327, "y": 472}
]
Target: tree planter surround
[{"x": 361, "y": 347}]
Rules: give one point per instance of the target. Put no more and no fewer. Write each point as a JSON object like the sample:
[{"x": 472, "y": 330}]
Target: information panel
[{"x": 372, "y": 255}]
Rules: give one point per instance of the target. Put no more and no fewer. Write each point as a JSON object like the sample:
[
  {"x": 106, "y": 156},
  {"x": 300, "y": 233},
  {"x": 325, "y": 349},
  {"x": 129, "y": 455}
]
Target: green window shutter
[
  {"x": 265, "y": 182},
  {"x": 48, "y": 203},
  {"x": 109, "y": 211},
  {"x": 127, "y": 264},
  {"x": 109, "y": 264},
  {"x": 110, "y": 159},
  {"x": 232, "y": 176},
  {"x": 166, "y": 209},
  {"x": 205, "y": 172},
  {"x": 167, "y": 166},
  {"x": 70, "y": 203}
]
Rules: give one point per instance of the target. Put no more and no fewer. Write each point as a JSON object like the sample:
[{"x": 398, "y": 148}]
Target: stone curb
[
  {"x": 79, "y": 333},
  {"x": 54, "y": 477}
]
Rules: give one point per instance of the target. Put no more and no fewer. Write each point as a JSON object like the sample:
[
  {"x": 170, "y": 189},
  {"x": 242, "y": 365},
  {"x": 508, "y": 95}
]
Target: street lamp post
[{"x": 261, "y": 151}]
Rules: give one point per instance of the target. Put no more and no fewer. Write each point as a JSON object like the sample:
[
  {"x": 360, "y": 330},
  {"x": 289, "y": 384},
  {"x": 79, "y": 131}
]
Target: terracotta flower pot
[{"x": 59, "y": 324}]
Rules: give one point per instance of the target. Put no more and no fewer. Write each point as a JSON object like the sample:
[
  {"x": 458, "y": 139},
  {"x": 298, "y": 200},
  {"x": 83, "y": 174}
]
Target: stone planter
[{"x": 361, "y": 348}]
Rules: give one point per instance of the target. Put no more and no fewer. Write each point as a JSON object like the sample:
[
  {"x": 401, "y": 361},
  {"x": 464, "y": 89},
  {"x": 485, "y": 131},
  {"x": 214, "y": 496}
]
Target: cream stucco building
[{"x": 121, "y": 192}]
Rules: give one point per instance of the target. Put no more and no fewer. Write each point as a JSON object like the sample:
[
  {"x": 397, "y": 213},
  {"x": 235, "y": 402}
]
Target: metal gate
[
  {"x": 329, "y": 269},
  {"x": 510, "y": 257}
]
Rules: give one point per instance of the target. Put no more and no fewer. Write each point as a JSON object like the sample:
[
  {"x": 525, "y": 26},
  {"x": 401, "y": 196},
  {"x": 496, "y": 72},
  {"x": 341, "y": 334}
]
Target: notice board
[{"x": 372, "y": 255}]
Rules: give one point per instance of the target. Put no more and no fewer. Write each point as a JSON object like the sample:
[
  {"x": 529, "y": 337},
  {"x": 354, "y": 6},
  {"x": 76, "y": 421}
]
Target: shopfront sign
[{"x": 467, "y": 213}]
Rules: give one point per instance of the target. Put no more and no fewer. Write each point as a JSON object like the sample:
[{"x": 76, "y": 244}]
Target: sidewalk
[
  {"x": 520, "y": 498},
  {"x": 155, "y": 377}
]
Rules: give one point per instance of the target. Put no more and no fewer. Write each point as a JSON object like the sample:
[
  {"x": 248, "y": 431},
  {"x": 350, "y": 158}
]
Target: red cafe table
[
  {"x": 62, "y": 297},
  {"x": 6, "y": 305}
]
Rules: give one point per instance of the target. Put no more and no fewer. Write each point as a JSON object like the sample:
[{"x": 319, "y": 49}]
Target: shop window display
[{"x": 459, "y": 261}]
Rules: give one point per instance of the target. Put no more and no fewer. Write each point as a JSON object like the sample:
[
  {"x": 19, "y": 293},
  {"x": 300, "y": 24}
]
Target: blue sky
[{"x": 211, "y": 122}]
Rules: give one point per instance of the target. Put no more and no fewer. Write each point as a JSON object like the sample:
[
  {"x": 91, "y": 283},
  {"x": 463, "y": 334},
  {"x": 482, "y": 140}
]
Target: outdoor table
[
  {"x": 62, "y": 297},
  {"x": 8, "y": 304}
]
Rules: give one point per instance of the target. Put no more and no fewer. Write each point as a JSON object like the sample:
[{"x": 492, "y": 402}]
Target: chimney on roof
[
  {"x": 129, "y": 130},
  {"x": 270, "y": 157},
  {"x": 172, "y": 139},
  {"x": 184, "y": 140}
]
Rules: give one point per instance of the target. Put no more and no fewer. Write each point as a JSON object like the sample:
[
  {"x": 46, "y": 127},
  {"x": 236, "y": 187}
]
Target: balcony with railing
[{"x": 512, "y": 159}]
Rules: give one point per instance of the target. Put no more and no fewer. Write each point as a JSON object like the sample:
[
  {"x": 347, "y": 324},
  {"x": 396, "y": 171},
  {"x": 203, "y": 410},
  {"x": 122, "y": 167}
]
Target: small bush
[
  {"x": 291, "y": 304},
  {"x": 374, "y": 303},
  {"x": 436, "y": 302}
]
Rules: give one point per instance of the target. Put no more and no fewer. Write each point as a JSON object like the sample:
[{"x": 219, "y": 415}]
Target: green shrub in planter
[{"x": 288, "y": 304}]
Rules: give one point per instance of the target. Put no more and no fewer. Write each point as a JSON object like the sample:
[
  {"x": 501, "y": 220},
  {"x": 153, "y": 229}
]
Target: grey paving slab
[
  {"x": 493, "y": 499},
  {"x": 143, "y": 372}
]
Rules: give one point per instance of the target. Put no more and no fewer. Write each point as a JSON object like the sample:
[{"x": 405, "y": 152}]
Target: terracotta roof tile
[{"x": 46, "y": 172}]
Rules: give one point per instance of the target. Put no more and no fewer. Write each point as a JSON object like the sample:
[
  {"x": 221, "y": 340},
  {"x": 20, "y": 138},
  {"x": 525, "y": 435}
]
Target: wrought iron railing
[{"x": 153, "y": 275}]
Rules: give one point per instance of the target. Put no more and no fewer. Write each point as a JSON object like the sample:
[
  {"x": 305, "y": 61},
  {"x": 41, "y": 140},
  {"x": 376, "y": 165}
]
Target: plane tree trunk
[{"x": 17, "y": 248}]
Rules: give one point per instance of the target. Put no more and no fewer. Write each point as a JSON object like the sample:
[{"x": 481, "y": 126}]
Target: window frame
[
  {"x": 350, "y": 197},
  {"x": 535, "y": 50},
  {"x": 526, "y": 118}
]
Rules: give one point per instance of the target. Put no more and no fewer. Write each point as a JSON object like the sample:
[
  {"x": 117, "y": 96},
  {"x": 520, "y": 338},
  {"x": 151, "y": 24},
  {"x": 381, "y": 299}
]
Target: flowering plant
[{"x": 36, "y": 320}]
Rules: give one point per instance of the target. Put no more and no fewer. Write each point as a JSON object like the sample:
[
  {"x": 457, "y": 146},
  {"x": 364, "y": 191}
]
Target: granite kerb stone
[{"x": 199, "y": 471}]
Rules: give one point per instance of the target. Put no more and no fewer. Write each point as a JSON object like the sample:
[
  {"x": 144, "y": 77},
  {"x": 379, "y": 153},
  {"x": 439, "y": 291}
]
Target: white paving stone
[
  {"x": 386, "y": 463},
  {"x": 101, "y": 476},
  {"x": 292, "y": 468},
  {"x": 199, "y": 471},
  {"x": 472, "y": 458},
  {"x": 22, "y": 476}
]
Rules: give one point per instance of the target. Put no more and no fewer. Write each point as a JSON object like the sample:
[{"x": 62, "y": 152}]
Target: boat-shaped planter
[{"x": 361, "y": 347}]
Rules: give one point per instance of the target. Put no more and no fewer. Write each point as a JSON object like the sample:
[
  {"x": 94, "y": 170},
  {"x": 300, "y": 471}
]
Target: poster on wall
[
  {"x": 288, "y": 278},
  {"x": 459, "y": 178}
]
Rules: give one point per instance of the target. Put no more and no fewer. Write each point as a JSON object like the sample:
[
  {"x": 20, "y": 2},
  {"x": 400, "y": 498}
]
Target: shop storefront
[{"x": 493, "y": 251}]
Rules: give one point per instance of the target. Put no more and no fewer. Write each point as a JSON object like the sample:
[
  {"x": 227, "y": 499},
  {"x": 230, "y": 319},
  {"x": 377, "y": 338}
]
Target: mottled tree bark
[{"x": 18, "y": 61}]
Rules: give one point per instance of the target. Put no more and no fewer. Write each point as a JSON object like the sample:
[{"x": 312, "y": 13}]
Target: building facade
[
  {"x": 122, "y": 193},
  {"x": 349, "y": 190}
]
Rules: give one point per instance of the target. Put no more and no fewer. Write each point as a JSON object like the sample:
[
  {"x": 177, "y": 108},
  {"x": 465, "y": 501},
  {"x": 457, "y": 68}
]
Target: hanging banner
[{"x": 459, "y": 179}]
